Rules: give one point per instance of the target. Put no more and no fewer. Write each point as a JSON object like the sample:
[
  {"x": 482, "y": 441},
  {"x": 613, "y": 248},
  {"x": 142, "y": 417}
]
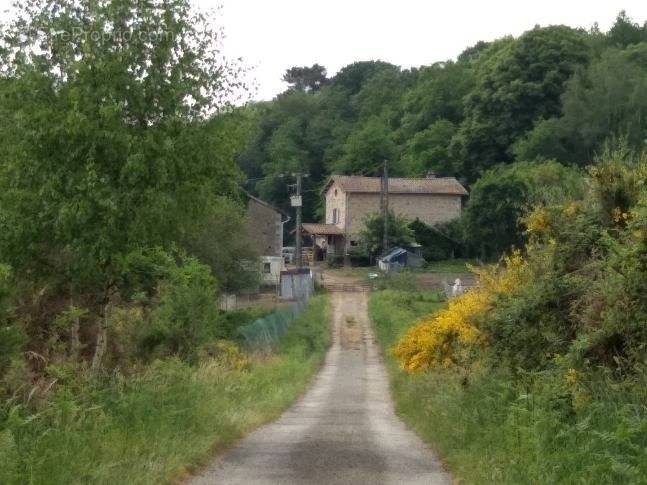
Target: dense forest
[{"x": 553, "y": 94}]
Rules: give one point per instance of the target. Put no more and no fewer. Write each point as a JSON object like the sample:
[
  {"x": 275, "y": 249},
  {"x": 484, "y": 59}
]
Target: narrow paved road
[{"x": 343, "y": 431}]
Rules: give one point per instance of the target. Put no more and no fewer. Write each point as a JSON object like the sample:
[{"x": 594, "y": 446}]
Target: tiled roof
[
  {"x": 431, "y": 185},
  {"x": 323, "y": 229}
]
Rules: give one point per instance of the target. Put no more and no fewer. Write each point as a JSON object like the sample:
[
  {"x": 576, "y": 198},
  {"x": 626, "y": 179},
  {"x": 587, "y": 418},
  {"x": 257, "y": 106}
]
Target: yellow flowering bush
[
  {"x": 449, "y": 336},
  {"x": 226, "y": 354},
  {"x": 537, "y": 222}
]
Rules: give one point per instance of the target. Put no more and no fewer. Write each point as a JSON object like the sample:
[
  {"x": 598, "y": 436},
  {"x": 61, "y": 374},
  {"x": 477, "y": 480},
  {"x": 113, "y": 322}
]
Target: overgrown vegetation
[
  {"x": 121, "y": 222},
  {"x": 539, "y": 373},
  {"x": 153, "y": 425}
]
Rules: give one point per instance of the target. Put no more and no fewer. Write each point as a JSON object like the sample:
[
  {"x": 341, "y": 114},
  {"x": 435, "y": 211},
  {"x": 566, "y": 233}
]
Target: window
[
  {"x": 353, "y": 243},
  {"x": 267, "y": 268},
  {"x": 335, "y": 216},
  {"x": 335, "y": 192}
]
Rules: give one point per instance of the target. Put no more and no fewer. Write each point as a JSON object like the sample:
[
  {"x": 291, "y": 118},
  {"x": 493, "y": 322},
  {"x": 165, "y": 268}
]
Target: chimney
[{"x": 431, "y": 174}]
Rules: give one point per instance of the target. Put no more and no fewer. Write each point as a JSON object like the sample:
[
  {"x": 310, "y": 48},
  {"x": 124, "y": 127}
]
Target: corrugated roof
[
  {"x": 323, "y": 229},
  {"x": 394, "y": 253},
  {"x": 431, "y": 185}
]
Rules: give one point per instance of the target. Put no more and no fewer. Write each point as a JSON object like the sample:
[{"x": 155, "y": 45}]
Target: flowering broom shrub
[{"x": 451, "y": 336}]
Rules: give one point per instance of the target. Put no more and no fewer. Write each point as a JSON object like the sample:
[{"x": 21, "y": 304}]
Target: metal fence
[{"x": 265, "y": 332}]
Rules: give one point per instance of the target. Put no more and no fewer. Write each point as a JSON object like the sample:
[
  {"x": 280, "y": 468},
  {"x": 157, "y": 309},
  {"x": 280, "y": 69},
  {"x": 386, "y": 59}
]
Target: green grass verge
[
  {"x": 450, "y": 266},
  {"x": 166, "y": 420},
  {"x": 500, "y": 428}
]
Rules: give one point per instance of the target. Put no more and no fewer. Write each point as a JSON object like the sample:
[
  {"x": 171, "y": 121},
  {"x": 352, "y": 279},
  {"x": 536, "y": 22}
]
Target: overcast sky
[{"x": 273, "y": 35}]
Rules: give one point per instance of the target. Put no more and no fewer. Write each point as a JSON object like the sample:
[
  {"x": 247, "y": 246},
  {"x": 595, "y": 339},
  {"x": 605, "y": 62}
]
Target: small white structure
[
  {"x": 458, "y": 288},
  {"x": 271, "y": 267}
]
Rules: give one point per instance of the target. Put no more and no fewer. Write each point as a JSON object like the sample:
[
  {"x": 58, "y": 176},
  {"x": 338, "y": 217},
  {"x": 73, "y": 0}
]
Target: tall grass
[
  {"x": 158, "y": 425},
  {"x": 494, "y": 427}
]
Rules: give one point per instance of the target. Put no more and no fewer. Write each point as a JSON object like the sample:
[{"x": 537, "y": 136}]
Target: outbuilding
[{"x": 400, "y": 258}]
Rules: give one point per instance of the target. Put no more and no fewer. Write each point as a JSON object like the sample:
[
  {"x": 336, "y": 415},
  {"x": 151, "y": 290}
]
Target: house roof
[
  {"x": 323, "y": 229},
  {"x": 430, "y": 185},
  {"x": 266, "y": 204}
]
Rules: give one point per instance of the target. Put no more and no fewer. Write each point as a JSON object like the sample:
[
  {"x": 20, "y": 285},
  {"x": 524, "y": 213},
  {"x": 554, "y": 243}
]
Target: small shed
[
  {"x": 399, "y": 258},
  {"x": 271, "y": 267},
  {"x": 297, "y": 284}
]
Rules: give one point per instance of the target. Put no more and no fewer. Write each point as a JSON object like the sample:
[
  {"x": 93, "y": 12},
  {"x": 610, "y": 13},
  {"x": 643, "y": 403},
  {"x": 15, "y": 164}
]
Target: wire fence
[{"x": 265, "y": 332}]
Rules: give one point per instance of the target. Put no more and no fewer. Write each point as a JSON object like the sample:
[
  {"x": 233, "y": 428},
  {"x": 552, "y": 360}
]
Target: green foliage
[
  {"x": 371, "y": 236},
  {"x": 539, "y": 427},
  {"x": 441, "y": 241},
  {"x": 626, "y": 32},
  {"x": 518, "y": 83},
  {"x": 153, "y": 426},
  {"x": 12, "y": 337},
  {"x": 308, "y": 79},
  {"x": 428, "y": 150},
  {"x": 598, "y": 104},
  {"x": 104, "y": 147},
  {"x": 186, "y": 310},
  {"x": 496, "y": 202},
  {"x": 586, "y": 294},
  {"x": 367, "y": 148},
  {"x": 221, "y": 242},
  {"x": 401, "y": 281},
  {"x": 504, "y": 194}
]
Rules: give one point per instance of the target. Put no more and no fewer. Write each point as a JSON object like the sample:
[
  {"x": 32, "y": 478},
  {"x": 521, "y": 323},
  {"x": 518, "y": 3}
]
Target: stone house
[
  {"x": 265, "y": 232},
  {"x": 350, "y": 199}
]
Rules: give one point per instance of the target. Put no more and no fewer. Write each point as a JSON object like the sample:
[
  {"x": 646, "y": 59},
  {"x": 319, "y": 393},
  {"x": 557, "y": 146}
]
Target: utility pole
[
  {"x": 385, "y": 207},
  {"x": 298, "y": 221}
]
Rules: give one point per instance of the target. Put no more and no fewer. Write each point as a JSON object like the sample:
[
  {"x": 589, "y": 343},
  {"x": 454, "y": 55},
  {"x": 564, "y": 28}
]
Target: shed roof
[
  {"x": 323, "y": 229},
  {"x": 393, "y": 254},
  {"x": 429, "y": 185}
]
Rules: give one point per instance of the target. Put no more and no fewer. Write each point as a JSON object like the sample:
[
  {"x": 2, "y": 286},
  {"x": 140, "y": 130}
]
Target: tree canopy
[
  {"x": 106, "y": 147},
  {"x": 552, "y": 93}
]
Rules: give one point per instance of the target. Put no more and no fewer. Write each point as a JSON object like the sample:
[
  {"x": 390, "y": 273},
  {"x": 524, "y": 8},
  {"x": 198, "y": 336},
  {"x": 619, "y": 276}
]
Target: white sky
[{"x": 273, "y": 35}]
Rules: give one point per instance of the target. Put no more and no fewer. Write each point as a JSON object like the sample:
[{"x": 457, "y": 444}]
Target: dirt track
[{"x": 343, "y": 431}]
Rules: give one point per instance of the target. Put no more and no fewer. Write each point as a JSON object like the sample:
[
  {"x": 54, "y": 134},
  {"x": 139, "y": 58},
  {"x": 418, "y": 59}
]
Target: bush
[
  {"x": 154, "y": 425},
  {"x": 439, "y": 242},
  {"x": 497, "y": 424},
  {"x": 186, "y": 310},
  {"x": 359, "y": 257},
  {"x": 12, "y": 337}
]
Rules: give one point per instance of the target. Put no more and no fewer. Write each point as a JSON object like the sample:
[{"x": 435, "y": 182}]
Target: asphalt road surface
[{"x": 342, "y": 431}]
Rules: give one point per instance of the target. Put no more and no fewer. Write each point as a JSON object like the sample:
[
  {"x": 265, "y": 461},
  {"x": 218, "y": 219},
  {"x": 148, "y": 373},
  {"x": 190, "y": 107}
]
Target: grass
[
  {"x": 495, "y": 427},
  {"x": 158, "y": 425},
  {"x": 450, "y": 266},
  {"x": 445, "y": 266}
]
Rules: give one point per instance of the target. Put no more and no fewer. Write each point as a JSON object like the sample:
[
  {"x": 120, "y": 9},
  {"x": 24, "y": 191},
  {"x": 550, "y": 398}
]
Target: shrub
[
  {"x": 12, "y": 336},
  {"x": 439, "y": 242},
  {"x": 371, "y": 236},
  {"x": 451, "y": 336},
  {"x": 186, "y": 311}
]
